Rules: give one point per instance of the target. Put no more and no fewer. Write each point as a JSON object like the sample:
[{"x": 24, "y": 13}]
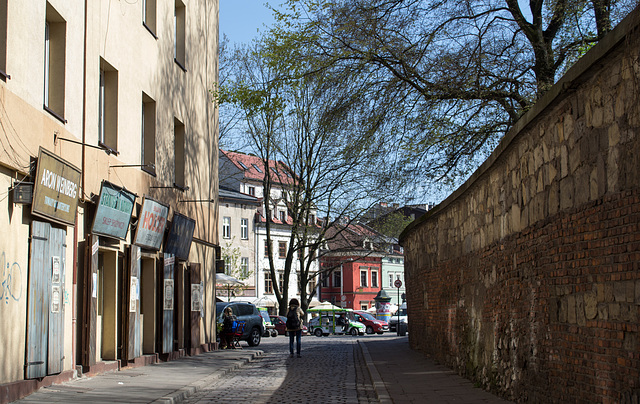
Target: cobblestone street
[{"x": 331, "y": 369}]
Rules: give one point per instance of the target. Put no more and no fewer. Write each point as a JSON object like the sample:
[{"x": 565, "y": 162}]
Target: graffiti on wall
[{"x": 10, "y": 280}]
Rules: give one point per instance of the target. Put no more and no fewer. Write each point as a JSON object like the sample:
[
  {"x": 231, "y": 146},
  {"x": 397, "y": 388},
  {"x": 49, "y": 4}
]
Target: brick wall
[{"x": 527, "y": 279}]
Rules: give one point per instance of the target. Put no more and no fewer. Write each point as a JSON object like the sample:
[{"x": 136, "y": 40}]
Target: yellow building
[{"x": 108, "y": 171}]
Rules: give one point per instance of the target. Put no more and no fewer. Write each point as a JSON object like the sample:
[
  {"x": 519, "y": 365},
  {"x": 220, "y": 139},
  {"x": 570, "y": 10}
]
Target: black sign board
[{"x": 180, "y": 236}]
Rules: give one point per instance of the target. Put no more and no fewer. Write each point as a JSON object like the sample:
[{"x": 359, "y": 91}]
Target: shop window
[
  {"x": 55, "y": 38},
  {"x": 148, "y": 134},
  {"x": 179, "y": 156},
  {"x": 179, "y": 35},
  {"x": 149, "y": 16}
]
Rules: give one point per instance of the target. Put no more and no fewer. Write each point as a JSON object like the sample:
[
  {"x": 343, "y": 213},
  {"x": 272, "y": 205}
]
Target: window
[
  {"x": 3, "y": 40},
  {"x": 227, "y": 265},
  {"x": 55, "y": 38},
  {"x": 280, "y": 280},
  {"x": 364, "y": 307},
  {"x": 149, "y": 16},
  {"x": 266, "y": 248},
  {"x": 324, "y": 281},
  {"x": 244, "y": 228},
  {"x": 391, "y": 280},
  {"x": 108, "y": 104},
  {"x": 337, "y": 279},
  {"x": 148, "y": 159},
  {"x": 179, "y": 35},
  {"x": 242, "y": 165},
  {"x": 312, "y": 220},
  {"x": 268, "y": 283},
  {"x": 282, "y": 249},
  {"x": 312, "y": 285},
  {"x": 178, "y": 152},
  {"x": 257, "y": 168},
  {"x": 244, "y": 267},
  {"x": 374, "y": 279},
  {"x": 283, "y": 218},
  {"x": 226, "y": 227},
  {"x": 252, "y": 191},
  {"x": 363, "y": 278}
]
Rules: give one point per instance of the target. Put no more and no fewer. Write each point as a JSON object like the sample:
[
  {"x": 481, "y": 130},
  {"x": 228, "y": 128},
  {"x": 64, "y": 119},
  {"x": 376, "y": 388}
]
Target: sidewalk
[
  {"x": 401, "y": 376},
  {"x": 167, "y": 382}
]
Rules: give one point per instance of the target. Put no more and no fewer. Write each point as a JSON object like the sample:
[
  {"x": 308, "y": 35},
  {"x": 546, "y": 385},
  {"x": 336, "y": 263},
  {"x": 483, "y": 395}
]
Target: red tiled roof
[{"x": 255, "y": 168}]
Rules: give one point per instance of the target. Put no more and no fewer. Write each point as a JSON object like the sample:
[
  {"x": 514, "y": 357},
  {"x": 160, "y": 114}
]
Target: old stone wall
[{"x": 526, "y": 279}]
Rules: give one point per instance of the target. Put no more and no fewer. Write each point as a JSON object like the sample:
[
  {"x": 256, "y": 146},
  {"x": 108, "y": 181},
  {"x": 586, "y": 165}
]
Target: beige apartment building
[{"x": 108, "y": 178}]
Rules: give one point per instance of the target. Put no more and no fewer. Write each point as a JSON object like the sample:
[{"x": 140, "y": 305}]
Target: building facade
[
  {"x": 238, "y": 240},
  {"x": 245, "y": 173},
  {"x": 109, "y": 155}
]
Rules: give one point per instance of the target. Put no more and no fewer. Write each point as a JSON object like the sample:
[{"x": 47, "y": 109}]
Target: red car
[
  {"x": 372, "y": 323},
  {"x": 281, "y": 325}
]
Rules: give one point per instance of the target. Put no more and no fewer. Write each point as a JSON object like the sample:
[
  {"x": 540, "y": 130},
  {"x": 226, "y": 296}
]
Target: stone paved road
[{"x": 331, "y": 370}]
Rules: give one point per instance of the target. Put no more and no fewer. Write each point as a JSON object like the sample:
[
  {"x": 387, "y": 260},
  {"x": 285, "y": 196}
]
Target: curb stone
[
  {"x": 185, "y": 392},
  {"x": 378, "y": 385}
]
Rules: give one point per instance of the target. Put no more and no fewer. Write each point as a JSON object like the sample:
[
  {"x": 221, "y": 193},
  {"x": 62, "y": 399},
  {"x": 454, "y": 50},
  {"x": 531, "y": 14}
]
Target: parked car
[
  {"x": 280, "y": 322},
  {"x": 248, "y": 313},
  {"x": 329, "y": 324},
  {"x": 269, "y": 328},
  {"x": 400, "y": 315},
  {"x": 372, "y": 323}
]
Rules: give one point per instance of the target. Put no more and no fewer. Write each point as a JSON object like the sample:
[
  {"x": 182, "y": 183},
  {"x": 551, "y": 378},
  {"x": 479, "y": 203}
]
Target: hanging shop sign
[
  {"x": 151, "y": 224},
  {"x": 56, "y": 189},
  {"x": 114, "y": 211},
  {"x": 180, "y": 236}
]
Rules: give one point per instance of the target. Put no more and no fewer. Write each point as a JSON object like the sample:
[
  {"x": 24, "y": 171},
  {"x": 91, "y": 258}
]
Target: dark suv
[{"x": 248, "y": 313}]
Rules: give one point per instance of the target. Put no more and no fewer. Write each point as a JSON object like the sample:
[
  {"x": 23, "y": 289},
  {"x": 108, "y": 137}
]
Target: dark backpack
[{"x": 293, "y": 321}]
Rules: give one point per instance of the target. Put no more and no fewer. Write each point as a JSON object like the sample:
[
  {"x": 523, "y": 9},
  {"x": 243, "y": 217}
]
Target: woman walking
[{"x": 294, "y": 325}]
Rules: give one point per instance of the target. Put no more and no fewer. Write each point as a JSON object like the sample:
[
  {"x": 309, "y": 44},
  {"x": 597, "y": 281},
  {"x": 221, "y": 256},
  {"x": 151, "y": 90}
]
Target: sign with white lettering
[
  {"x": 113, "y": 213},
  {"x": 151, "y": 224},
  {"x": 56, "y": 189}
]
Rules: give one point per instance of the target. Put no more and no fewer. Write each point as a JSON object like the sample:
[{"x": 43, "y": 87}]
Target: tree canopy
[{"x": 441, "y": 80}]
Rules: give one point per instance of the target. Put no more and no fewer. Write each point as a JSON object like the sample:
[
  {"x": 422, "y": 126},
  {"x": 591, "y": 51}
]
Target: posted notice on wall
[
  {"x": 196, "y": 297},
  {"x": 168, "y": 294},
  {"x": 134, "y": 294}
]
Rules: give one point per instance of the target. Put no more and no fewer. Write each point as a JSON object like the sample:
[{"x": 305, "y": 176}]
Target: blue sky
[{"x": 240, "y": 19}]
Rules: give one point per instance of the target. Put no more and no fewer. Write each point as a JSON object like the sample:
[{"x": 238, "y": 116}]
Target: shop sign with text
[
  {"x": 114, "y": 211},
  {"x": 151, "y": 224},
  {"x": 180, "y": 236},
  {"x": 56, "y": 189}
]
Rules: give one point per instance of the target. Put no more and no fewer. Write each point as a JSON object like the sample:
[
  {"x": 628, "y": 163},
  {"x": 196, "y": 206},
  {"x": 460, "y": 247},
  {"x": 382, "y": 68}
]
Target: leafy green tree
[
  {"x": 443, "y": 80},
  {"x": 312, "y": 144}
]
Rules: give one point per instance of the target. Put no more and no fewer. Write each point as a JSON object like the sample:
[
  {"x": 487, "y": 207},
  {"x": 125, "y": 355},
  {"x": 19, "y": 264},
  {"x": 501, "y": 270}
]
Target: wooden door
[
  {"x": 196, "y": 302},
  {"x": 38, "y": 301},
  {"x": 166, "y": 303},
  {"x": 133, "y": 337},
  {"x": 57, "y": 251},
  {"x": 90, "y": 303}
]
